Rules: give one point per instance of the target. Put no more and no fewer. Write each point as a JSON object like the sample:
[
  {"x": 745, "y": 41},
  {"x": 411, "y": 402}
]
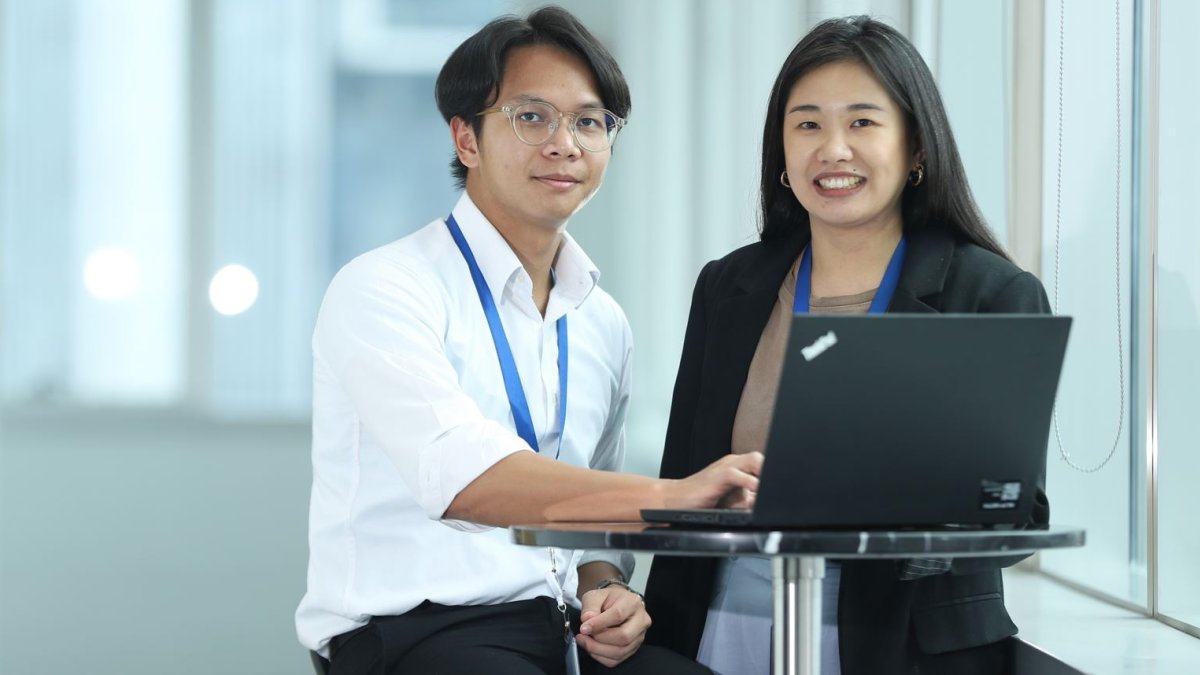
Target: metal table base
[
  {"x": 797, "y": 561},
  {"x": 796, "y": 633}
]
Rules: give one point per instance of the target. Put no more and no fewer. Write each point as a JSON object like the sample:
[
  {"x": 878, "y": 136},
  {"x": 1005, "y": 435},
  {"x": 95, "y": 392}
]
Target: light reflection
[
  {"x": 111, "y": 274},
  {"x": 233, "y": 290}
]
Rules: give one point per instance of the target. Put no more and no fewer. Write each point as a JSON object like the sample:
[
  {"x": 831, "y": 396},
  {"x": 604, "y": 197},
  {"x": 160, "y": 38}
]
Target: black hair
[
  {"x": 943, "y": 199},
  {"x": 470, "y": 79}
]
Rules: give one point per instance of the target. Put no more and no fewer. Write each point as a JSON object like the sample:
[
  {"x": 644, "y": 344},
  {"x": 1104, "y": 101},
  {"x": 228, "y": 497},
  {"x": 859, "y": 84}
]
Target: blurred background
[{"x": 180, "y": 179}]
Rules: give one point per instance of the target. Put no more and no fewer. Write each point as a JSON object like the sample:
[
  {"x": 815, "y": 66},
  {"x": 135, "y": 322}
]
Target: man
[{"x": 472, "y": 375}]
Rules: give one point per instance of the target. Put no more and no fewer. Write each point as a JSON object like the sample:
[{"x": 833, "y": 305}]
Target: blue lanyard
[
  {"x": 508, "y": 366},
  {"x": 883, "y": 296}
]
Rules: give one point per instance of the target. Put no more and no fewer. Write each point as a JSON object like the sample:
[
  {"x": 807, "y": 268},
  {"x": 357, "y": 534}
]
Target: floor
[{"x": 1092, "y": 635}]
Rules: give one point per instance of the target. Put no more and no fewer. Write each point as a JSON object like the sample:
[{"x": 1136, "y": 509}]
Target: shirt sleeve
[
  {"x": 380, "y": 333},
  {"x": 609, "y": 454}
]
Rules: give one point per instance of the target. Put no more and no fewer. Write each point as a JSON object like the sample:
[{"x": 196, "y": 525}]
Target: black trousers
[{"x": 516, "y": 638}]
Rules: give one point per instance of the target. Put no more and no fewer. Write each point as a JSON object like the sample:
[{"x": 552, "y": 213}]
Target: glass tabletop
[{"x": 706, "y": 541}]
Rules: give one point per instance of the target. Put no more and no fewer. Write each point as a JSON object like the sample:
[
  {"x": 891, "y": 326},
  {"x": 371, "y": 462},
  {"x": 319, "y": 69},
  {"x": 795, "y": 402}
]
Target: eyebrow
[
  {"x": 530, "y": 98},
  {"x": 809, "y": 107}
]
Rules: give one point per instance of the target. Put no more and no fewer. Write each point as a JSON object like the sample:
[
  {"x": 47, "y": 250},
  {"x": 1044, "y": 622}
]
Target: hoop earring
[
  {"x": 784, "y": 181},
  {"x": 917, "y": 176}
]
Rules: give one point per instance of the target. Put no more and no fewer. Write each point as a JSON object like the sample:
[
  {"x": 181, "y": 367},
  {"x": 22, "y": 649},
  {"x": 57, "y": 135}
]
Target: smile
[{"x": 839, "y": 182}]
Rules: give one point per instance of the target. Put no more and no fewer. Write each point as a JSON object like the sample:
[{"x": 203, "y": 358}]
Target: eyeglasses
[{"x": 534, "y": 123}]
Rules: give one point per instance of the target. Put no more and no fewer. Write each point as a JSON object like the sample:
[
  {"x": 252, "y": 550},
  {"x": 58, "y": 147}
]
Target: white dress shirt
[{"x": 409, "y": 407}]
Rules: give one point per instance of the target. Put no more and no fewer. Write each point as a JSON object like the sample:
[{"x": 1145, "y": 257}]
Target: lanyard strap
[
  {"x": 508, "y": 366},
  {"x": 883, "y": 296}
]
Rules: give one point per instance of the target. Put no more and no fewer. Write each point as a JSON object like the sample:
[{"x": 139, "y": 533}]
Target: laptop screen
[{"x": 910, "y": 420}]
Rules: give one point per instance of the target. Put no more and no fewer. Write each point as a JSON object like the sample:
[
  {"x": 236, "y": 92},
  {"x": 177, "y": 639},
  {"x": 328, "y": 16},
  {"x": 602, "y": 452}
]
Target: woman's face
[{"x": 846, "y": 148}]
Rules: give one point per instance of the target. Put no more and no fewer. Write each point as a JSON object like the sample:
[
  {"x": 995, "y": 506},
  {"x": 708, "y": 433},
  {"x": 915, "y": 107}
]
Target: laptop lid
[
  {"x": 907, "y": 420},
  {"x": 901, "y": 419}
]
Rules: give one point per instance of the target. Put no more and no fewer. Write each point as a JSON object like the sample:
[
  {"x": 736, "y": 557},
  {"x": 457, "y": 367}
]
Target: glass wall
[
  {"x": 1086, "y": 268},
  {"x": 1178, "y": 279},
  {"x": 94, "y": 260},
  {"x": 194, "y": 174},
  {"x": 1129, "y": 270}
]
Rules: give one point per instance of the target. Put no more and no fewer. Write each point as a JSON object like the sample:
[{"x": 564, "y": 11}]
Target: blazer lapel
[
  {"x": 739, "y": 318},
  {"x": 924, "y": 274}
]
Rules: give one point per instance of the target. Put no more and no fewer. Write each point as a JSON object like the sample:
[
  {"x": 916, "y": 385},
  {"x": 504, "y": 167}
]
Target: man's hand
[
  {"x": 731, "y": 481},
  {"x": 613, "y": 624}
]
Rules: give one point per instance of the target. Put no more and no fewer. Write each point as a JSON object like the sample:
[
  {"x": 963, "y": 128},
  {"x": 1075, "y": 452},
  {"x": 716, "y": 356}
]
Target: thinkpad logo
[{"x": 819, "y": 346}]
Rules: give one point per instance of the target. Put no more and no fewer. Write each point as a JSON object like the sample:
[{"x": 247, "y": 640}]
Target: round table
[{"x": 798, "y": 561}]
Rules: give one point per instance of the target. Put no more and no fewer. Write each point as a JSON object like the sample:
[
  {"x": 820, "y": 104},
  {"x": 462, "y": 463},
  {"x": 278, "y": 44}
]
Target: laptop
[{"x": 900, "y": 420}]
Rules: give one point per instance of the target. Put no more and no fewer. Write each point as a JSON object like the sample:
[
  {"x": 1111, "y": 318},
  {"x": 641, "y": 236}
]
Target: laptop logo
[
  {"x": 999, "y": 495},
  {"x": 819, "y": 346}
]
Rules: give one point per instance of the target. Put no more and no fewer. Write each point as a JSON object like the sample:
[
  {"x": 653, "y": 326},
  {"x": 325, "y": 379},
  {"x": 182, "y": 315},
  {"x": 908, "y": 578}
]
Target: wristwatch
[{"x": 613, "y": 581}]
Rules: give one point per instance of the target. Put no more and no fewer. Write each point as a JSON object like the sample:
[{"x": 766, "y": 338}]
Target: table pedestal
[
  {"x": 798, "y": 561},
  {"x": 796, "y": 634}
]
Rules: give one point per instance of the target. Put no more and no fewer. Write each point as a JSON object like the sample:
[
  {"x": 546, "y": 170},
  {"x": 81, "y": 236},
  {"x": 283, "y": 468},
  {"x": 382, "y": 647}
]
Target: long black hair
[
  {"x": 470, "y": 79},
  {"x": 943, "y": 199}
]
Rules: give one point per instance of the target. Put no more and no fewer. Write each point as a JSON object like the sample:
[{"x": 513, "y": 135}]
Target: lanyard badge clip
[{"x": 572, "y": 652}]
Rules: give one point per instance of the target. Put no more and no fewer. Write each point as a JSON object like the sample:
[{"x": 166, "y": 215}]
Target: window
[
  {"x": 1178, "y": 328},
  {"x": 181, "y": 180},
  {"x": 93, "y": 202},
  {"x": 1095, "y": 394}
]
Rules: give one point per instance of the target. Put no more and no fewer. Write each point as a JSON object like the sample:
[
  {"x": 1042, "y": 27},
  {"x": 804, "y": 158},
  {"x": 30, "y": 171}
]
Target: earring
[
  {"x": 917, "y": 175},
  {"x": 783, "y": 179}
]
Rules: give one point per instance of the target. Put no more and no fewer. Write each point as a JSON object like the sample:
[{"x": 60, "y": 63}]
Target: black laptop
[{"x": 904, "y": 421}]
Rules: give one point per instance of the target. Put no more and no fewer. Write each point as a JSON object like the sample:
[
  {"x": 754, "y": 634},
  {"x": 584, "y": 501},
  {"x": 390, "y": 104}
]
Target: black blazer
[{"x": 885, "y": 625}]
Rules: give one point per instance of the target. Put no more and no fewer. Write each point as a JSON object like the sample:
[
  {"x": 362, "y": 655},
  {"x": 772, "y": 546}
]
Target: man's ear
[{"x": 465, "y": 142}]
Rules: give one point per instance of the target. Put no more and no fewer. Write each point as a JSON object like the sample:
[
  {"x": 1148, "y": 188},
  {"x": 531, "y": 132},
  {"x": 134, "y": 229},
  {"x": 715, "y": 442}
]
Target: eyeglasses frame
[{"x": 574, "y": 116}]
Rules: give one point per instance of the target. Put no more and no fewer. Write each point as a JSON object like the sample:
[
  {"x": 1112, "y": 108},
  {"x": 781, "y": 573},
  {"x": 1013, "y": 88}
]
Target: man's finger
[
  {"x": 591, "y": 604},
  {"x": 615, "y": 615},
  {"x": 630, "y": 632},
  {"x": 607, "y": 654},
  {"x": 744, "y": 499}
]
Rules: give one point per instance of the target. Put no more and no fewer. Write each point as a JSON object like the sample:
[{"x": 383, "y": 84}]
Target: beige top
[{"x": 753, "y": 418}]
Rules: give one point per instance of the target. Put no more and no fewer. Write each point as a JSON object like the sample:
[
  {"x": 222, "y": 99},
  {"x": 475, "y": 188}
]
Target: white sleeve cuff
[
  {"x": 623, "y": 561},
  {"x": 450, "y": 464}
]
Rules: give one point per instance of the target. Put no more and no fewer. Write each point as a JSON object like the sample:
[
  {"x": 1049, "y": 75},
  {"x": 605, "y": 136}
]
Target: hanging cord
[{"x": 1058, "y": 237}]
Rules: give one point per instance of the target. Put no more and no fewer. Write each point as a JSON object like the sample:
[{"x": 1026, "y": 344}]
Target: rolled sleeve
[{"x": 381, "y": 336}]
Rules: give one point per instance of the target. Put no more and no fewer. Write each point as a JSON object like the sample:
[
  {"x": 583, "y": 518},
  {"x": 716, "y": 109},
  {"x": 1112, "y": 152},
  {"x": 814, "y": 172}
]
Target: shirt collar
[{"x": 575, "y": 273}]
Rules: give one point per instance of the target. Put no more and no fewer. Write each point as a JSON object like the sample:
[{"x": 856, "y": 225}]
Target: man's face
[{"x": 518, "y": 185}]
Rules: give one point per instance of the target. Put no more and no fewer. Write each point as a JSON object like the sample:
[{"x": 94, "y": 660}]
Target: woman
[{"x": 861, "y": 181}]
